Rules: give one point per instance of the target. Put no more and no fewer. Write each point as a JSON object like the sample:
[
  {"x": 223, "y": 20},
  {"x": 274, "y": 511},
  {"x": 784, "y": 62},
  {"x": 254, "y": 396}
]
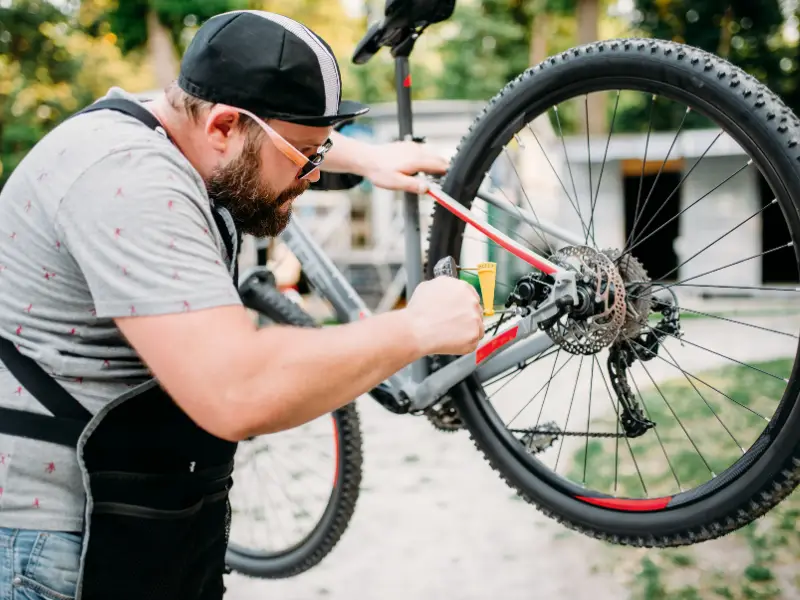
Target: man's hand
[
  {"x": 446, "y": 316},
  {"x": 390, "y": 166}
]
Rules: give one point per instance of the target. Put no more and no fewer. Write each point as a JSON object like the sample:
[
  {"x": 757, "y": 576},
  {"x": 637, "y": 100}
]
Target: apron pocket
[{"x": 136, "y": 551}]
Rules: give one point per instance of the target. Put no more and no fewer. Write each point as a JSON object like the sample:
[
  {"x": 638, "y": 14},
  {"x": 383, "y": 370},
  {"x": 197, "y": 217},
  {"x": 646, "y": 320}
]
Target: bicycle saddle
[
  {"x": 401, "y": 19},
  {"x": 417, "y": 13}
]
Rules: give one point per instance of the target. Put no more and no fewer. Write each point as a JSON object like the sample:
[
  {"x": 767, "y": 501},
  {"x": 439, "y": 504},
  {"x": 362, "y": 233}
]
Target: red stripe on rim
[
  {"x": 629, "y": 505},
  {"x": 495, "y": 343},
  {"x": 496, "y": 236}
]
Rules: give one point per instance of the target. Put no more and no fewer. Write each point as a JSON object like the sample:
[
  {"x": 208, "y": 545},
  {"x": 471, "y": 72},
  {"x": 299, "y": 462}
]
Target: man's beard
[{"x": 255, "y": 207}]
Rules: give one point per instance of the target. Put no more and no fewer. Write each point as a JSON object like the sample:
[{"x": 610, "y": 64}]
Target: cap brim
[{"x": 348, "y": 109}]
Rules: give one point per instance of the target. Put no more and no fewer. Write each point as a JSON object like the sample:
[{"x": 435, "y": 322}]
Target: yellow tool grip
[{"x": 487, "y": 277}]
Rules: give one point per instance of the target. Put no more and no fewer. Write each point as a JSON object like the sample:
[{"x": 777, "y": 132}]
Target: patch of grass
[
  {"x": 649, "y": 580},
  {"x": 747, "y": 394},
  {"x": 411, "y": 458},
  {"x": 686, "y": 593},
  {"x": 681, "y": 559},
  {"x": 760, "y": 593},
  {"x": 756, "y": 572}
]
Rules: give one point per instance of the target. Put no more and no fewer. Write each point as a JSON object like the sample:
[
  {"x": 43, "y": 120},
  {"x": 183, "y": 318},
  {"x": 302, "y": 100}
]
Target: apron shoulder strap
[
  {"x": 129, "y": 108},
  {"x": 69, "y": 416}
]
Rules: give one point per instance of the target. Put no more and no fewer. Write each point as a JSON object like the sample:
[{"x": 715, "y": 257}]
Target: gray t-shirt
[{"x": 103, "y": 218}]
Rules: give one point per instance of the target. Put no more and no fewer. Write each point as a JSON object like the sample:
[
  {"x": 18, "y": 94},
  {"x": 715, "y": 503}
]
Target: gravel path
[{"x": 434, "y": 521}]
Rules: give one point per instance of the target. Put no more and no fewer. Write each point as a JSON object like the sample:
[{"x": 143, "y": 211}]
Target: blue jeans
[{"x": 38, "y": 565}]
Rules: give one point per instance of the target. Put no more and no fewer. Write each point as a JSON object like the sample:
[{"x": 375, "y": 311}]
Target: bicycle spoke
[
  {"x": 519, "y": 211},
  {"x": 274, "y": 512},
  {"x": 512, "y": 378},
  {"x": 671, "y": 219},
  {"x": 644, "y": 164},
  {"x": 569, "y": 168},
  {"x": 552, "y": 375},
  {"x": 697, "y": 312},
  {"x": 569, "y": 412},
  {"x": 616, "y": 406},
  {"x": 513, "y": 234},
  {"x": 304, "y": 485},
  {"x": 677, "y": 187},
  {"x": 546, "y": 385},
  {"x": 705, "y": 383},
  {"x": 305, "y": 465},
  {"x": 658, "y": 176},
  {"x": 655, "y": 430},
  {"x": 666, "y": 285},
  {"x": 605, "y": 155},
  {"x": 563, "y": 187},
  {"x": 588, "y": 420},
  {"x": 793, "y": 290},
  {"x": 674, "y": 414},
  {"x": 738, "y": 362},
  {"x": 727, "y": 233},
  {"x": 694, "y": 387},
  {"x": 589, "y": 165},
  {"x": 549, "y": 352}
]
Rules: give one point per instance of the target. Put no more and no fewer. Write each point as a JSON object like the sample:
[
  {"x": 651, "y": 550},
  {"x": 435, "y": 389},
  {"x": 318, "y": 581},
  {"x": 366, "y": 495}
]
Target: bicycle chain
[{"x": 600, "y": 434}]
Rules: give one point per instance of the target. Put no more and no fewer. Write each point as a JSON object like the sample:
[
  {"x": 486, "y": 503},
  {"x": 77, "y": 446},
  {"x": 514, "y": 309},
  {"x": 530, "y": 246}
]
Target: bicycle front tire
[{"x": 321, "y": 540}]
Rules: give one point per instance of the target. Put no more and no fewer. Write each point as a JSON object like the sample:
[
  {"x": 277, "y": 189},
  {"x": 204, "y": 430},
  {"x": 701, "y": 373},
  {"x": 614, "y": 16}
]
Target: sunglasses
[{"x": 306, "y": 164}]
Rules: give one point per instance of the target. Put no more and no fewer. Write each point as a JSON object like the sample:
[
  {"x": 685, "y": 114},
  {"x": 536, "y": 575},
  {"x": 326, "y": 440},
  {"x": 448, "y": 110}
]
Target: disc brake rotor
[{"x": 598, "y": 275}]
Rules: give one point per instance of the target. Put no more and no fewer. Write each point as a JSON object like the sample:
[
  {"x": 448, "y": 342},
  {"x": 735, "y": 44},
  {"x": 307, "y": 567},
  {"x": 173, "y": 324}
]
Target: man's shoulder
[{"x": 111, "y": 144}]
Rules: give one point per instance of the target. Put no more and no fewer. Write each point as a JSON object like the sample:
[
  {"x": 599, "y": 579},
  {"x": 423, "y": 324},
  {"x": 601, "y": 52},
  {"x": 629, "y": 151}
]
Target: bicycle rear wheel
[
  {"x": 722, "y": 390},
  {"x": 295, "y": 491}
]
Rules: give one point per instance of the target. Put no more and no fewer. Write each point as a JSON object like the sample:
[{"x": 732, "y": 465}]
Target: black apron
[{"x": 157, "y": 514}]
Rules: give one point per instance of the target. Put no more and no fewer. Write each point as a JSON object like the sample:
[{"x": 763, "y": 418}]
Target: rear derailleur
[
  {"x": 643, "y": 347},
  {"x": 623, "y": 352}
]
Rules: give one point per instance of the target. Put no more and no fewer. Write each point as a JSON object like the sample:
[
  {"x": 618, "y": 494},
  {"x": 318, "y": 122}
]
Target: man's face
[{"x": 259, "y": 185}]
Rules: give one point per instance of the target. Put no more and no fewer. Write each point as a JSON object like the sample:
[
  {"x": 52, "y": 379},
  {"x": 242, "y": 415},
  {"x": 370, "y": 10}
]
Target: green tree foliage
[
  {"x": 48, "y": 70},
  {"x": 128, "y": 19},
  {"x": 747, "y": 33}
]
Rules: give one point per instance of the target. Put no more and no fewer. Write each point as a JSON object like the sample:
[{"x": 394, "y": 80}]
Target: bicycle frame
[
  {"x": 513, "y": 345},
  {"x": 492, "y": 357}
]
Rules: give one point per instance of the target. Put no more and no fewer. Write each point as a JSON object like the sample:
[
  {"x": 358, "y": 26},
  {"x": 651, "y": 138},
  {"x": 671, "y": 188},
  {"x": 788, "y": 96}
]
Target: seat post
[{"x": 413, "y": 246}]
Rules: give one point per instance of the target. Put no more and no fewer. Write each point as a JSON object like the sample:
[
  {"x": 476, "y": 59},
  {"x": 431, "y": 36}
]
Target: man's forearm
[
  {"x": 295, "y": 375},
  {"x": 348, "y": 155}
]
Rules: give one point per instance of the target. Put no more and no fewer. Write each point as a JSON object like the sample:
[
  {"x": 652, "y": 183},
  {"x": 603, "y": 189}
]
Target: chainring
[
  {"x": 444, "y": 416},
  {"x": 589, "y": 336}
]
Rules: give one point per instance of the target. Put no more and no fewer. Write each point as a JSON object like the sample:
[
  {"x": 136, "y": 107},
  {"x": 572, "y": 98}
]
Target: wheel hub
[{"x": 600, "y": 310}]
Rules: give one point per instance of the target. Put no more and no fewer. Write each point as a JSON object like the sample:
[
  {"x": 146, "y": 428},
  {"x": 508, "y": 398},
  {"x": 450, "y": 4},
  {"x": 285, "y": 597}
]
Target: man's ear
[{"x": 221, "y": 123}]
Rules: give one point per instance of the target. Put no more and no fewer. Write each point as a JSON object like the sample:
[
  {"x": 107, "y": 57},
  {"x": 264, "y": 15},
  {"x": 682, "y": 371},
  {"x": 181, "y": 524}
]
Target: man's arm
[
  {"x": 236, "y": 381},
  {"x": 136, "y": 225},
  {"x": 389, "y": 166}
]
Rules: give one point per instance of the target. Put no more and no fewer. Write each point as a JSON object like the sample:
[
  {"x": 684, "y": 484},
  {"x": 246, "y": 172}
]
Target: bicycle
[{"x": 571, "y": 295}]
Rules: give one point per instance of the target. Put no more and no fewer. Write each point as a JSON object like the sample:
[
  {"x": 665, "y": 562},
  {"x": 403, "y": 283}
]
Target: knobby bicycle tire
[
  {"x": 309, "y": 552},
  {"x": 770, "y": 132}
]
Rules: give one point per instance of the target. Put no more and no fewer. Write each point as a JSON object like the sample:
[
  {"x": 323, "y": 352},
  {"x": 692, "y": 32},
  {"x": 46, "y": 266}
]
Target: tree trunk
[
  {"x": 538, "y": 50},
  {"x": 588, "y": 31},
  {"x": 163, "y": 57},
  {"x": 725, "y": 36}
]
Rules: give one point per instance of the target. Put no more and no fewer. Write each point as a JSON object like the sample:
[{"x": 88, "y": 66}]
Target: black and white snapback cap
[{"x": 268, "y": 64}]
